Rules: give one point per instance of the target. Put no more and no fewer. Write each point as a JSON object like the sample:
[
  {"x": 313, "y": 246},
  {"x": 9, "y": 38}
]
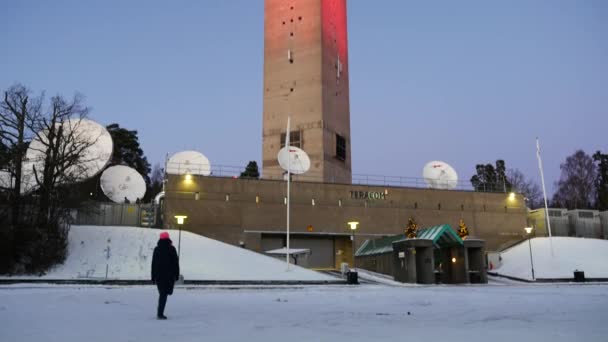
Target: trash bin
[
  {"x": 579, "y": 276},
  {"x": 352, "y": 278}
]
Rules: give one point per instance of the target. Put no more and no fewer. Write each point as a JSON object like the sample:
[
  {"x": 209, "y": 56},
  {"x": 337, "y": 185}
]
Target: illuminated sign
[{"x": 371, "y": 195}]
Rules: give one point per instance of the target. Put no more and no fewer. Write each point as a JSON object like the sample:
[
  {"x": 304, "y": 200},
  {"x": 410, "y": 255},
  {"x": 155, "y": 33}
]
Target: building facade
[
  {"x": 252, "y": 213},
  {"x": 306, "y": 77}
]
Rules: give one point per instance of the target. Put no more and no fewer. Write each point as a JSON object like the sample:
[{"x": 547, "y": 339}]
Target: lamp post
[
  {"x": 529, "y": 231},
  {"x": 180, "y": 221},
  {"x": 353, "y": 226}
]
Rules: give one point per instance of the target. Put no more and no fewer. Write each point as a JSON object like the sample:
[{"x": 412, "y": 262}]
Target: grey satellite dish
[
  {"x": 6, "y": 180},
  {"x": 121, "y": 182},
  {"x": 295, "y": 159},
  {"x": 440, "y": 175},
  {"x": 93, "y": 158},
  {"x": 189, "y": 162}
]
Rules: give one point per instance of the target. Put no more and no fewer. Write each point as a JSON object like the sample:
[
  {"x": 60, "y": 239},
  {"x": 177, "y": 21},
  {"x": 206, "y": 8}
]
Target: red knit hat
[{"x": 164, "y": 236}]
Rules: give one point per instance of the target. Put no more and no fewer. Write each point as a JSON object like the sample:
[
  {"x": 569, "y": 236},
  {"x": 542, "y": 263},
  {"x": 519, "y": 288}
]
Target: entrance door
[{"x": 322, "y": 252}]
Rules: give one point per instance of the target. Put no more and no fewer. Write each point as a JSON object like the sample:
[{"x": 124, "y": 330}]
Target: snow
[
  {"x": 306, "y": 313},
  {"x": 569, "y": 254},
  {"x": 127, "y": 254}
]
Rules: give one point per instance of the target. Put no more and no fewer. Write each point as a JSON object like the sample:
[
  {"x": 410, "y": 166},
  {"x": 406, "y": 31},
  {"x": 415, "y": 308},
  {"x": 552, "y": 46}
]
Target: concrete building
[
  {"x": 252, "y": 213},
  {"x": 306, "y": 77},
  {"x": 604, "y": 222},
  {"x": 560, "y": 225},
  {"x": 564, "y": 222}
]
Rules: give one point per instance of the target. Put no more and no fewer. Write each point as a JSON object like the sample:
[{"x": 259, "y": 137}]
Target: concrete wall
[
  {"x": 379, "y": 263},
  {"x": 308, "y": 86},
  {"x": 604, "y": 222},
  {"x": 237, "y": 210}
]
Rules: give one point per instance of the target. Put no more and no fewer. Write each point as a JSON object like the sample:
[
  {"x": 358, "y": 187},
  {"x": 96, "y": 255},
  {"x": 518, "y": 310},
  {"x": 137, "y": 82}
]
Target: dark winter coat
[{"x": 165, "y": 266}]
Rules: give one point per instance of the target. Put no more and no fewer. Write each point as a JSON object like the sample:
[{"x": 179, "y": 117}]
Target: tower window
[
  {"x": 340, "y": 147},
  {"x": 295, "y": 139}
]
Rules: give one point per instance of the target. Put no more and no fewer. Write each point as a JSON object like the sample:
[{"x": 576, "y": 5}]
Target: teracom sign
[{"x": 368, "y": 195}]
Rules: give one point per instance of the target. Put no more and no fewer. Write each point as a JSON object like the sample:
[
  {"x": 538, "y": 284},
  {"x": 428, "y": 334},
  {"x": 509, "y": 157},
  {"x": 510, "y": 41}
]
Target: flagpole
[
  {"x": 287, "y": 145},
  {"x": 542, "y": 179}
]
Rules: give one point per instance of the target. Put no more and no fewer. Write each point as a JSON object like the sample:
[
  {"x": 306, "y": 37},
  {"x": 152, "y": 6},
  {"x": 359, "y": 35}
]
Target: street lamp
[
  {"x": 353, "y": 226},
  {"x": 529, "y": 231},
  {"x": 180, "y": 221}
]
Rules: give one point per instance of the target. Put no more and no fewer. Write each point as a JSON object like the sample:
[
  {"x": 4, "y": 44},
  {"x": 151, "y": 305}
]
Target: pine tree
[
  {"x": 412, "y": 229},
  {"x": 251, "y": 171}
]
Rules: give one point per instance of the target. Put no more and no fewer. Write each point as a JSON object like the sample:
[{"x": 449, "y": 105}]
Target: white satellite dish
[
  {"x": 440, "y": 175},
  {"x": 121, "y": 182},
  {"x": 93, "y": 158},
  {"x": 6, "y": 179},
  {"x": 300, "y": 163},
  {"x": 189, "y": 162}
]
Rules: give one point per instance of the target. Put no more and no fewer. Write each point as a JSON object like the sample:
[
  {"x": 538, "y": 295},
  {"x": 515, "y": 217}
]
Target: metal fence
[
  {"x": 115, "y": 214},
  {"x": 357, "y": 179}
]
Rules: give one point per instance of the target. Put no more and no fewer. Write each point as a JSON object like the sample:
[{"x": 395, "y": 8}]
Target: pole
[
  {"x": 287, "y": 145},
  {"x": 179, "y": 241},
  {"x": 354, "y": 259},
  {"x": 542, "y": 178},
  {"x": 531, "y": 260}
]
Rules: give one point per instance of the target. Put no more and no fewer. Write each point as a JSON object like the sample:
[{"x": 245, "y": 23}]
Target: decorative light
[
  {"x": 453, "y": 260},
  {"x": 180, "y": 218}
]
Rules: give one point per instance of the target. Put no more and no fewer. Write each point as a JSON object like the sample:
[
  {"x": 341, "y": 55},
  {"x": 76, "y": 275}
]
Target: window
[
  {"x": 295, "y": 139},
  {"x": 555, "y": 213},
  {"x": 340, "y": 147},
  {"x": 585, "y": 214}
]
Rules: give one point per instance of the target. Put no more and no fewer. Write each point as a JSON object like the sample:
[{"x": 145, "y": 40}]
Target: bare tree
[
  {"x": 18, "y": 112},
  {"x": 61, "y": 146},
  {"x": 576, "y": 187},
  {"x": 527, "y": 187}
]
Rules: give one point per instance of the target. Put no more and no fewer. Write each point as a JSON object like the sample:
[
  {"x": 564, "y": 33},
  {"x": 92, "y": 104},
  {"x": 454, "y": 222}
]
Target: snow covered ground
[
  {"x": 126, "y": 254},
  {"x": 569, "y": 254},
  {"x": 313, "y": 313}
]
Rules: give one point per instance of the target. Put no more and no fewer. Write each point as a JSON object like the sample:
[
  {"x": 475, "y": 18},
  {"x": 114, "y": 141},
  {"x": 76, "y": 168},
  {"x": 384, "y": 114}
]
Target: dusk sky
[{"x": 465, "y": 82}]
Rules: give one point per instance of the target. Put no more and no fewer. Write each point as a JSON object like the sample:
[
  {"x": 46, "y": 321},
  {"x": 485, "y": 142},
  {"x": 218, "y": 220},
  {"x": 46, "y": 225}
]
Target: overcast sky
[{"x": 466, "y": 82}]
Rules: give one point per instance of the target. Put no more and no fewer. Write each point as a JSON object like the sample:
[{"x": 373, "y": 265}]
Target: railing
[{"x": 358, "y": 179}]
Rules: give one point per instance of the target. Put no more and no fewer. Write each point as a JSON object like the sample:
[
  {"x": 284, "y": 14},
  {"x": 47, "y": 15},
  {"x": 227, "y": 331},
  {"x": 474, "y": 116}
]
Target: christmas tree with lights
[
  {"x": 463, "y": 232},
  {"x": 412, "y": 229}
]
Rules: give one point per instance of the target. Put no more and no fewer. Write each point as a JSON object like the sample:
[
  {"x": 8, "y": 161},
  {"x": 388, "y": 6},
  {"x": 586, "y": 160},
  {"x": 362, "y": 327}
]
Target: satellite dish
[
  {"x": 94, "y": 157},
  {"x": 121, "y": 182},
  {"x": 440, "y": 175},
  {"x": 6, "y": 180},
  {"x": 300, "y": 163},
  {"x": 189, "y": 162}
]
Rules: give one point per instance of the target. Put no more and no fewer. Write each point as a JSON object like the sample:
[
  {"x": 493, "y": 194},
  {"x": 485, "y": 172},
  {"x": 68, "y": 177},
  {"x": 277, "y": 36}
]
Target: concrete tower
[{"x": 306, "y": 75}]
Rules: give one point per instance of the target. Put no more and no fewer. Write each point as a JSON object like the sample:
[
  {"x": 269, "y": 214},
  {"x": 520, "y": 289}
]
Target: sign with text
[{"x": 371, "y": 195}]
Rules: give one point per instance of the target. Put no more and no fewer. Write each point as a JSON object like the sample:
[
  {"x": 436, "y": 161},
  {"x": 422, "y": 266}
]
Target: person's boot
[{"x": 162, "y": 301}]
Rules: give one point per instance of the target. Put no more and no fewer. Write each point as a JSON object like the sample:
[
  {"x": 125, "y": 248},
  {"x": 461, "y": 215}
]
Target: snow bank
[
  {"x": 126, "y": 254},
  {"x": 569, "y": 254}
]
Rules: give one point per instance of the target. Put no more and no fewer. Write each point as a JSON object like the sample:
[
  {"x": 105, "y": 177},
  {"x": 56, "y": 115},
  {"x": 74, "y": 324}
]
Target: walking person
[{"x": 165, "y": 271}]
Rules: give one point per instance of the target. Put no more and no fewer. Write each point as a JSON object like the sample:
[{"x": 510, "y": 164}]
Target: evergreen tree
[
  {"x": 601, "y": 182},
  {"x": 251, "y": 171},
  {"x": 490, "y": 178}
]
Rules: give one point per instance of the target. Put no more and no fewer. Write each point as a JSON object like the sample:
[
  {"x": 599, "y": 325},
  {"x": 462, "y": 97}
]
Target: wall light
[
  {"x": 512, "y": 196},
  {"x": 188, "y": 177},
  {"x": 453, "y": 260}
]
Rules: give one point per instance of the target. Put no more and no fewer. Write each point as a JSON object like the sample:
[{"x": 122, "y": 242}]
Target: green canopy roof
[{"x": 442, "y": 236}]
